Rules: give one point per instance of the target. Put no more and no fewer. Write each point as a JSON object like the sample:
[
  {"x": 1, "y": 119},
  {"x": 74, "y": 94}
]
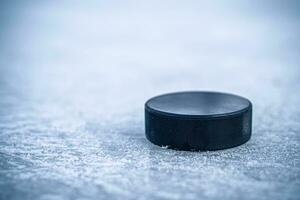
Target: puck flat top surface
[{"x": 198, "y": 104}]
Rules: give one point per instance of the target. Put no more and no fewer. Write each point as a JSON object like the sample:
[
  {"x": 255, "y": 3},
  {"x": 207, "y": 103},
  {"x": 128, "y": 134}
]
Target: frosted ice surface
[{"x": 74, "y": 78}]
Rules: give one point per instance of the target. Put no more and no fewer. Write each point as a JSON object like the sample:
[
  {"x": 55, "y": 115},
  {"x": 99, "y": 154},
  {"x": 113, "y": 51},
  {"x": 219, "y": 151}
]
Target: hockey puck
[{"x": 198, "y": 120}]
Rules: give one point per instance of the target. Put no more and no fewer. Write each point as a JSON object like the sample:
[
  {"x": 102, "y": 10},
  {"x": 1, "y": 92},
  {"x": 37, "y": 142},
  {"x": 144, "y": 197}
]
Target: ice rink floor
[{"x": 74, "y": 77}]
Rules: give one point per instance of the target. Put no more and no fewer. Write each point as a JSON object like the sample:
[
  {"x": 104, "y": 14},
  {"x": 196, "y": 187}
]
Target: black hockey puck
[{"x": 198, "y": 120}]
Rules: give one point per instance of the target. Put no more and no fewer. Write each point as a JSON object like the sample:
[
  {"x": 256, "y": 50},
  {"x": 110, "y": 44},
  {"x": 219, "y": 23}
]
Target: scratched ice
[{"x": 74, "y": 77}]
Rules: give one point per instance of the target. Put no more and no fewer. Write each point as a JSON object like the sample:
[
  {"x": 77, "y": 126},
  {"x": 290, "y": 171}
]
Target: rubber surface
[{"x": 198, "y": 120}]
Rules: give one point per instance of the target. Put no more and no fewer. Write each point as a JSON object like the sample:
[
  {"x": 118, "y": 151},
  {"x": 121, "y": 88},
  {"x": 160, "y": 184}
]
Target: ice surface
[{"x": 74, "y": 78}]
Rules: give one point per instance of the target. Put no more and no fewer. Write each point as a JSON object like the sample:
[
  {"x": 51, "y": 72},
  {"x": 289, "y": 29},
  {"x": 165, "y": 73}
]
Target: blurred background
[{"x": 74, "y": 76}]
